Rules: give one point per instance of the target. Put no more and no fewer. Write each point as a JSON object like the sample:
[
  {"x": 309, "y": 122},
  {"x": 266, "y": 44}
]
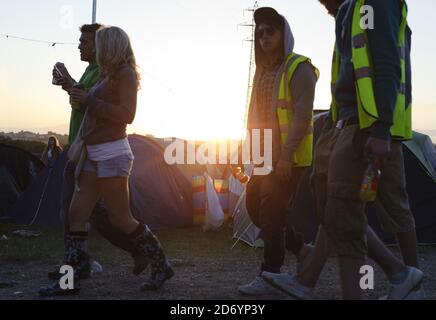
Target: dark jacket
[
  {"x": 383, "y": 44},
  {"x": 111, "y": 105}
]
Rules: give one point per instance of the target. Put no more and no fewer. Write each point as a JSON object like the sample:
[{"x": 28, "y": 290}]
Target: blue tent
[
  {"x": 160, "y": 194},
  {"x": 18, "y": 168},
  {"x": 40, "y": 203}
]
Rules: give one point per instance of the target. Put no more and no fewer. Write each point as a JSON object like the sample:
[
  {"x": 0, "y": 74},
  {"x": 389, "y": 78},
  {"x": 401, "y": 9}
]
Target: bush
[{"x": 34, "y": 147}]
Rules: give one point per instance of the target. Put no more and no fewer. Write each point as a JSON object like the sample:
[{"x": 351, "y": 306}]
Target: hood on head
[{"x": 288, "y": 43}]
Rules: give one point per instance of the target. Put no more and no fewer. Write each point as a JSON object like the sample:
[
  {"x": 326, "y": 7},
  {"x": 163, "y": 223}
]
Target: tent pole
[{"x": 41, "y": 198}]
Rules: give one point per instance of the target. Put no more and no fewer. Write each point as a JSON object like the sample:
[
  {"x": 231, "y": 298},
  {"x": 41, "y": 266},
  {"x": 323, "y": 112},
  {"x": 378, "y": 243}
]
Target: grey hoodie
[{"x": 302, "y": 87}]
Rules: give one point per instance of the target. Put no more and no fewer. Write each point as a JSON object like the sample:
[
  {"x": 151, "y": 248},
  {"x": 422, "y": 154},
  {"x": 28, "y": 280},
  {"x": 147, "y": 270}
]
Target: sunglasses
[{"x": 270, "y": 31}]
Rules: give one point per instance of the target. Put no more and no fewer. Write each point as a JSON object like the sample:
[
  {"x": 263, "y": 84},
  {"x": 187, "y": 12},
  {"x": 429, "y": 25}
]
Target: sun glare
[{"x": 188, "y": 112}]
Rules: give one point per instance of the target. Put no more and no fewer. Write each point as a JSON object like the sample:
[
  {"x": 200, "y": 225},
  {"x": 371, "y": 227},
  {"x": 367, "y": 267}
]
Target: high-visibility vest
[
  {"x": 303, "y": 155},
  {"x": 364, "y": 73}
]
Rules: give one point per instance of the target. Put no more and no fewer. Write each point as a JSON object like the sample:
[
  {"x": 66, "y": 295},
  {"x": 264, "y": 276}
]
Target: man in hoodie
[
  {"x": 282, "y": 102},
  {"x": 370, "y": 65}
]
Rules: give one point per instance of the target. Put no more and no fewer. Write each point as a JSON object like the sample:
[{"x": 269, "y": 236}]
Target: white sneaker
[
  {"x": 414, "y": 295},
  {"x": 257, "y": 287},
  {"x": 288, "y": 284},
  {"x": 96, "y": 268},
  {"x": 411, "y": 284}
]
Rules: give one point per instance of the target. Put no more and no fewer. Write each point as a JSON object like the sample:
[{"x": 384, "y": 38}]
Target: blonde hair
[{"x": 113, "y": 49}]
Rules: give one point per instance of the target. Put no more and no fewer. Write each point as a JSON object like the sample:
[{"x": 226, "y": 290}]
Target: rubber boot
[
  {"x": 147, "y": 243},
  {"x": 78, "y": 258}
]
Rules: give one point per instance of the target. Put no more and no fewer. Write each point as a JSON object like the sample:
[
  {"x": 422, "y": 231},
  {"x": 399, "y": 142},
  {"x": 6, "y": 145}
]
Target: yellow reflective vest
[
  {"x": 303, "y": 155},
  {"x": 363, "y": 71}
]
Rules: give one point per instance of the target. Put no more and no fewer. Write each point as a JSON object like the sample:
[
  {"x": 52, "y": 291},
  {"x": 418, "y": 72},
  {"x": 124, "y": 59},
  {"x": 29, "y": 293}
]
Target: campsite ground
[{"x": 206, "y": 267}]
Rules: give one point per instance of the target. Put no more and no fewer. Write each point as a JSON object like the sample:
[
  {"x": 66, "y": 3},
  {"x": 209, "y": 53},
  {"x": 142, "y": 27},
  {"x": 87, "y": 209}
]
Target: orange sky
[{"x": 193, "y": 58}]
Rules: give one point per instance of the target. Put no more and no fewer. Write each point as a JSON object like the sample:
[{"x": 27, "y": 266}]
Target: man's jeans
[{"x": 268, "y": 205}]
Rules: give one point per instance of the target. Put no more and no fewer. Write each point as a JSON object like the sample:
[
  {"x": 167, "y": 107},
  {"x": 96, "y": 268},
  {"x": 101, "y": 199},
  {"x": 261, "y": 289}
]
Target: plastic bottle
[
  {"x": 368, "y": 189},
  {"x": 238, "y": 174}
]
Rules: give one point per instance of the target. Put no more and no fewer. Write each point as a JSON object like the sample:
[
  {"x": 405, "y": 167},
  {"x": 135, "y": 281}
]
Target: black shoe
[
  {"x": 55, "y": 290},
  {"x": 157, "y": 279},
  {"x": 141, "y": 263}
]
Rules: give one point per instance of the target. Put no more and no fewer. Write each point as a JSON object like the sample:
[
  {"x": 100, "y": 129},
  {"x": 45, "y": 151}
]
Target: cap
[{"x": 268, "y": 15}]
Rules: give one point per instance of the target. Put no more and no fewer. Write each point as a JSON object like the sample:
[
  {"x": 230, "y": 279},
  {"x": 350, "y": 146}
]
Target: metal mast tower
[
  {"x": 94, "y": 11},
  {"x": 252, "y": 65}
]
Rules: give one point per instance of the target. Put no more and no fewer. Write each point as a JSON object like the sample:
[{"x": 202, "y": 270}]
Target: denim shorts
[{"x": 120, "y": 166}]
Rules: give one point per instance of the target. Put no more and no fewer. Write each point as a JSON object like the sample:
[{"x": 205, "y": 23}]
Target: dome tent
[
  {"x": 160, "y": 194},
  {"x": 18, "y": 168}
]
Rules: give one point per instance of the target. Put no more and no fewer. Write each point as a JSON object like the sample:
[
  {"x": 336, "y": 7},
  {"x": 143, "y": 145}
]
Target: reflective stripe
[
  {"x": 359, "y": 41},
  {"x": 402, "y": 51},
  {"x": 283, "y": 104},
  {"x": 288, "y": 66},
  {"x": 291, "y": 61},
  {"x": 284, "y": 128},
  {"x": 361, "y": 73},
  {"x": 332, "y": 87},
  {"x": 402, "y": 89}
]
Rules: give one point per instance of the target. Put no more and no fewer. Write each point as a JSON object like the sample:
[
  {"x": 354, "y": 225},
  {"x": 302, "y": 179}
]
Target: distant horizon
[{"x": 429, "y": 132}]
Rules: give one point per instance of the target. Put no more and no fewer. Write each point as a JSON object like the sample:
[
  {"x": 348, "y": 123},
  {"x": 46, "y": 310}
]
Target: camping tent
[
  {"x": 160, "y": 194},
  {"x": 420, "y": 166},
  {"x": 17, "y": 170},
  {"x": 40, "y": 203},
  {"x": 419, "y": 162}
]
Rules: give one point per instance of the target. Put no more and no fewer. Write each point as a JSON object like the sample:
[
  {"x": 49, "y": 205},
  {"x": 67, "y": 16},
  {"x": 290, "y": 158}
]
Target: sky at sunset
[{"x": 192, "y": 56}]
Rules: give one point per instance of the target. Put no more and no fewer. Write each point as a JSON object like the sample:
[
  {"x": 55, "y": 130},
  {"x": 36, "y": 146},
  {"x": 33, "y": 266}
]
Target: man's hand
[
  {"x": 66, "y": 81},
  {"x": 283, "y": 170},
  {"x": 377, "y": 150},
  {"x": 78, "y": 96}
]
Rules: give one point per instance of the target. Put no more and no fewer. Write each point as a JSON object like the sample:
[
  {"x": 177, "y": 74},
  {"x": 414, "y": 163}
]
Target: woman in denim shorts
[{"x": 110, "y": 106}]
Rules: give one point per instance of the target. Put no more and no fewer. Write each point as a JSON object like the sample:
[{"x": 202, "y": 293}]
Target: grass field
[{"x": 206, "y": 267}]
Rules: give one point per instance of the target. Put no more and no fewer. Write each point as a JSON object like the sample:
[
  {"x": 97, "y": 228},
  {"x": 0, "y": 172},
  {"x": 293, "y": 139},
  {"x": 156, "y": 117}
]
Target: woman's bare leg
[
  {"x": 115, "y": 192},
  {"x": 83, "y": 201},
  {"x": 116, "y": 196}
]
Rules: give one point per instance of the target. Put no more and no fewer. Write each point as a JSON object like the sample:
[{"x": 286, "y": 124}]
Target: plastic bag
[{"x": 214, "y": 212}]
